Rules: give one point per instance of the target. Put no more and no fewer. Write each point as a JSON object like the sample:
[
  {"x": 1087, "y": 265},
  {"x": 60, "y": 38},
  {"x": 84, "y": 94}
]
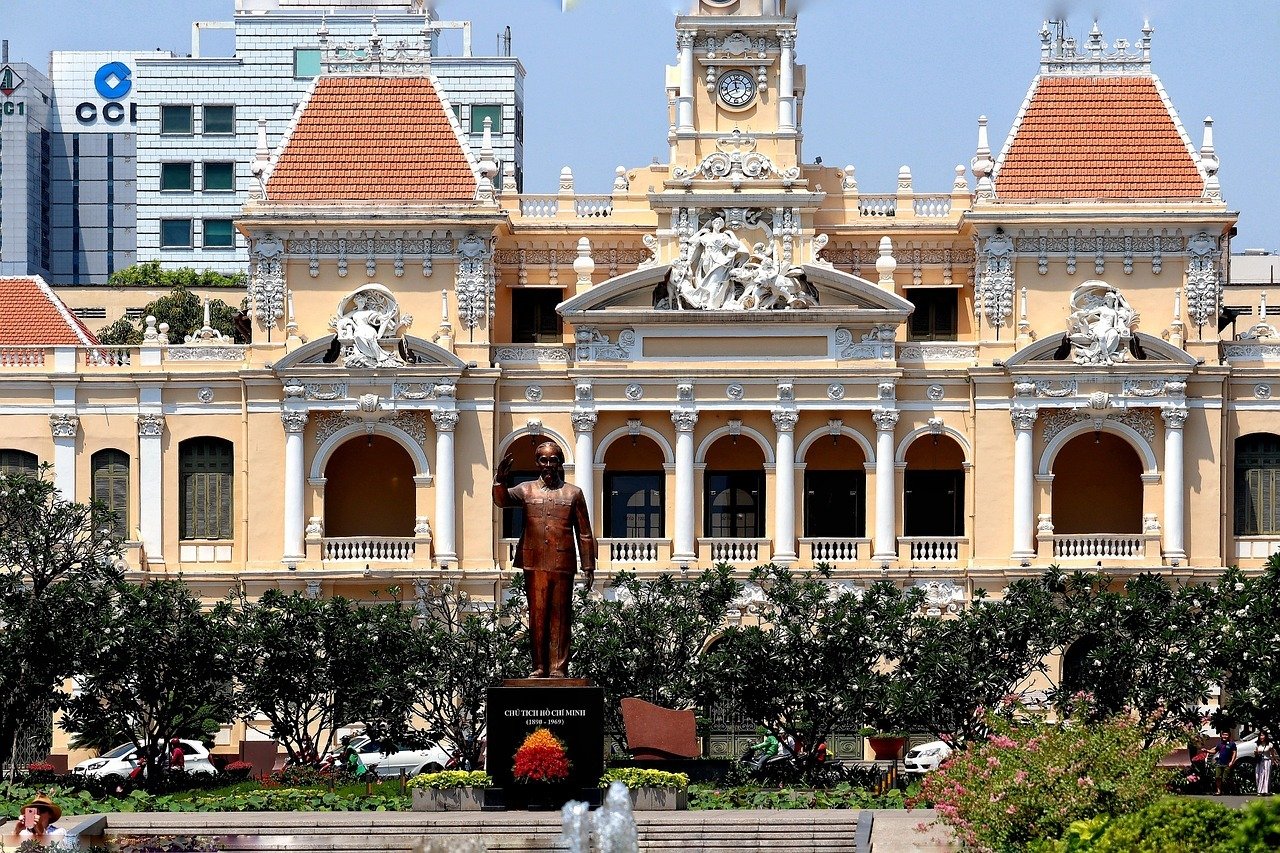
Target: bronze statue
[{"x": 555, "y": 513}]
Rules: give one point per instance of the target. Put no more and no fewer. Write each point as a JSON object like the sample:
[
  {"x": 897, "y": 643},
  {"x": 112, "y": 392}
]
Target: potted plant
[
  {"x": 541, "y": 769},
  {"x": 651, "y": 790},
  {"x": 886, "y": 745},
  {"x": 449, "y": 790}
]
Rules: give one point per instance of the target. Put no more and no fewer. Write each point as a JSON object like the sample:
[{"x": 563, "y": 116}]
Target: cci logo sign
[{"x": 113, "y": 81}]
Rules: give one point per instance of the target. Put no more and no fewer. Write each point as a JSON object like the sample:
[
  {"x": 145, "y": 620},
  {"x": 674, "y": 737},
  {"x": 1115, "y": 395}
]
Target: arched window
[
  {"x": 1258, "y": 485},
  {"x": 19, "y": 462},
  {"x": 111, "y": 487},
  {"x": 204, "y": 487}
]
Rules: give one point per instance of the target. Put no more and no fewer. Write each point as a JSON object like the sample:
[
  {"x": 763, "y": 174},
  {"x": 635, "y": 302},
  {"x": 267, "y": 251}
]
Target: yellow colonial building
[{"x": 745, "y": 356}]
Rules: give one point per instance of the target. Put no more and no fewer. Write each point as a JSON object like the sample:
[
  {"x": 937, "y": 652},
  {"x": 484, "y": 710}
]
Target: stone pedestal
[{"x": 570, "y": 710}]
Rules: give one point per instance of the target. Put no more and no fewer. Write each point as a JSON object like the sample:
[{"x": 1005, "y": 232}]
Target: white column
[
  {"x": 584, "y": 425},
  {"x": 787, "y": 81},
  {"x": 886, "y": 544},
  {"x": 684, "y": 104},
  {"x": 684, "y": 546},
  {"x": 1024, "y": 421},
  {"x": 1175, "y": 547},
  {"x": 446, "y": 421},
  {"x": 784, "y": 526},
  {"x": 65, "y": 429},
  {"x": 295, "y": 423},
  {"x": 151, "y": 485}
]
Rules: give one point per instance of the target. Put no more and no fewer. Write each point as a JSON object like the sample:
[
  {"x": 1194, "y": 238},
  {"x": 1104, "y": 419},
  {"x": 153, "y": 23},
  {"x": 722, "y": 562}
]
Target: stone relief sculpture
[
  {"x": 719, "y": 273},
  {"x": 369, "y": 325},
  {"x": 1101, "y": 324}
]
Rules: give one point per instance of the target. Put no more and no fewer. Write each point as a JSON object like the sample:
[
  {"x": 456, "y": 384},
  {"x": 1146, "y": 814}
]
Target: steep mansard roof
[{"x": 373, "y": 139}]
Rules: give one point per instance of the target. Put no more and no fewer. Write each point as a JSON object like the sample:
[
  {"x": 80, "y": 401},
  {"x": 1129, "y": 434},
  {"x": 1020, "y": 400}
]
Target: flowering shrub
[
  {"x": 541, "y": 758},
  {"x": 238, "y": 769},
  {"x": 1032, "y": 781}
]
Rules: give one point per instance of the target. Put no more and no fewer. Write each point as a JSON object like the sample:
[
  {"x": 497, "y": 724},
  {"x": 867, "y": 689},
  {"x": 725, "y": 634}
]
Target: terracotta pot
[{"x": 886, "y": 748}]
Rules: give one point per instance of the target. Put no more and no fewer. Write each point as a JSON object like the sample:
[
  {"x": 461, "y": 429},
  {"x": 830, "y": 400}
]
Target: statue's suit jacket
[{"x": 553, "y": 520}]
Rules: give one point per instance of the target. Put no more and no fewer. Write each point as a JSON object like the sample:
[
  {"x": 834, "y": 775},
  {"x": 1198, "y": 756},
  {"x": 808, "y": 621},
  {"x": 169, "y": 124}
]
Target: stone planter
[
  {"x": 448, "y": 799},
  {"x": 886, "y": 748},
  {"x": 659, "y": 799}
]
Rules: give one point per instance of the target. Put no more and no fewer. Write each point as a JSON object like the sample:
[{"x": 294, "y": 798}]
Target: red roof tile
[
  {"x": 31, "y": 315},
  {"x": 1097, "y": 138},
  {"x": 372, "y": 138}
]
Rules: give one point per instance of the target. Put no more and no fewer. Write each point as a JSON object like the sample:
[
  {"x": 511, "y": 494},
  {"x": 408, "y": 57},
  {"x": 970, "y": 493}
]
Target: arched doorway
[
  {"x": 835, "y": 489},
  {"x": 933, "y": 488},
  {"x": 1083, "y": 504},
  {"x": 634, "y": 489},
  {"x": 369, "y": 489},
  {"x": 733, "y": 489}
]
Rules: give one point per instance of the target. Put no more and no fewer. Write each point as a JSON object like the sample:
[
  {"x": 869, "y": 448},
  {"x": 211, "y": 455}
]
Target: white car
[
  {"x": 411, "y": 761},
  {"x": 120, "y": 761},
  {"x": 926, "y": 757}
]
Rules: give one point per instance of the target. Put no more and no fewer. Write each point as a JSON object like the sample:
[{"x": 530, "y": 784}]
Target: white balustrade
[
  {"x": 877, "y": 205},
  {"x": 733, "y": 551},
  {"x": 837, "y": 549},
  {"x": 933, "y": 206},
  {"x": 373, "y": 549},
  {"x": 1100, "y": 546},
  {"x": 539, "y": 206},
  {"x": 22, "y": 357},
  {"x": 107, "y": 357},
  {"x": 593, "y": 206},
  {"x": 633, "y": 550},
  {"x": 933, "y": 549}
]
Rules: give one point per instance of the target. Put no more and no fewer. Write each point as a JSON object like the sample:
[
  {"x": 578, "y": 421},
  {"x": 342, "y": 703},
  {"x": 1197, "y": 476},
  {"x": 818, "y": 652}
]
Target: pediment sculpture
[
  {"x": 1101, "y": 325},
  {"x": 369, "y": 327},
  {"x": 718, "y": 272}
]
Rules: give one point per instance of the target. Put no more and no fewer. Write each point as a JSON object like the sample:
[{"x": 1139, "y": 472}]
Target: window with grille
[
  {"x": 111, "y": 487},
  {"x": 204, "y": 482},
  {"x": 19, "y": 462},
  {"x": 1257, "y": 485}
]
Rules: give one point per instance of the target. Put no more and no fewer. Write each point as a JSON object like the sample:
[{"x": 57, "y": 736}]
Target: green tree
[
  {"x": 954, "y": 668},
  {"x": 1144, "y": 648},
  {"x": 823, "y": 655},
  {"x": 648, "y": 640},
  {"x": 57, "y": 559},
  {"x": 1245, "y": 643},
  {"x": 180, "y": 308},
  {"x": 461, "y": 649},
  {"x": 311, "y": 666},
  {"x": 161, "y": 668}
]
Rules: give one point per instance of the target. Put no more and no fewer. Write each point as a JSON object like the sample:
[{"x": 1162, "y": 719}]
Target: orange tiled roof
[
  {"x": 1095, "y": 138},
  {"x": 31, "y": 315},
  {"x": 372, "y": 138}
]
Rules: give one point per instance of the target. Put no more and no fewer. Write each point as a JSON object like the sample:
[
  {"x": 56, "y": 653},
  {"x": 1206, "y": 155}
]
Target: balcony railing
[
  {"x": 369, "y": 549},
  {"x": 933, "y": 549},
  {"x": 834, "y": 550},
  {"x": 1100, "y": 546}
]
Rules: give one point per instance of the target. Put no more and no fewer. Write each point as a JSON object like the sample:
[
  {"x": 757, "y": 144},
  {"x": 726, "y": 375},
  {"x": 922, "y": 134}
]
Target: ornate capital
[
  {"x": 785, "y": 419},
  {"x": 150, "y": 426},
  {"x": 294, "y": 421},
  {"x": 584, "y": 421},
  {"x": 684, "y": 419},
  {"x": 1174, "y": 416},
  {"x": 446, "y": 420},
  {"x": 64, "y": 426},
  {"x": 1024, "y": 417},
  {"x": 886, "y": 419}
]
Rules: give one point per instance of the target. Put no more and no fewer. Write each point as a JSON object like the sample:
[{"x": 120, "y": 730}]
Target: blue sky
[{"x": 890, "y": 83}]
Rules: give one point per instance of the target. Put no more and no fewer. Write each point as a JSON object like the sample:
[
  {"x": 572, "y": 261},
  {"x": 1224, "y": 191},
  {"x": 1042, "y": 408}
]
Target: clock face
[{"x": 736, "y": 88}]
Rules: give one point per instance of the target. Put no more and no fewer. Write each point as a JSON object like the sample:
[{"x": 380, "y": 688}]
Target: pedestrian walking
[{"x": 1262, "y": 763}]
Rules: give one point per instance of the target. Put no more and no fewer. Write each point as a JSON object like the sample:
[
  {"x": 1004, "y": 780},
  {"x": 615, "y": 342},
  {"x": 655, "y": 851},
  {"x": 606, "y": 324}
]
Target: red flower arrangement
[{"x": 541, "y": 758}]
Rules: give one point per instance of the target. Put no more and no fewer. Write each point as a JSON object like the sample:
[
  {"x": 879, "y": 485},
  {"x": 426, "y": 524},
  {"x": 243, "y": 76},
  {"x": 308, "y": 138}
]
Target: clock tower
[{"x": 736, "y": 72}]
